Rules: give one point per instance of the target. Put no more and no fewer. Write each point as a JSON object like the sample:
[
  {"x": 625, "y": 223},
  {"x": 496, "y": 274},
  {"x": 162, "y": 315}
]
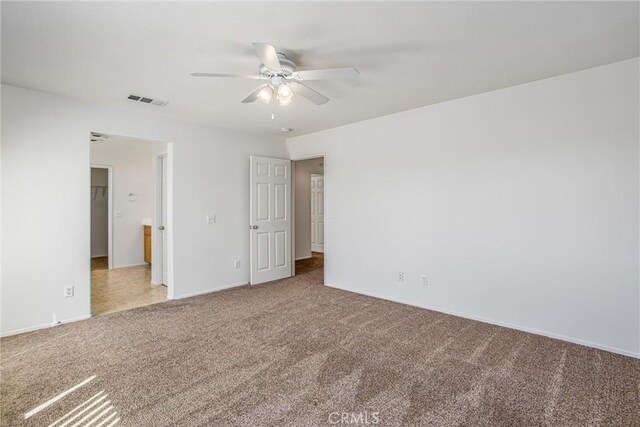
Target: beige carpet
[{"x": 296, "y": 353}]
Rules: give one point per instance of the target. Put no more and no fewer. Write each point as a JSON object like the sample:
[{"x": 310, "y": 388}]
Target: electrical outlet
[
  {"x": 425, "y": 281},
  {"x": 211, "y": 219},
  {"x": 400, "y": 276},
  {"x": 68, "y": 291},
  {"x": 237, "y": 264}
]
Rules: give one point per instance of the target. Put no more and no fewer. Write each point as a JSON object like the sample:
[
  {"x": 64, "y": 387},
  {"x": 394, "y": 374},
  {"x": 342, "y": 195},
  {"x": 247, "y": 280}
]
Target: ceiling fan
[{"x": 283, "y": 79}]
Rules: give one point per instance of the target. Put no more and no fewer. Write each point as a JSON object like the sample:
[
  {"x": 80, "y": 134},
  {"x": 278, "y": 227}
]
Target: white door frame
[
  {"x": 157, "y": 220},
  {"x": 157, "y": 265},
  {"x": 169, "y": 233},
  {"x": 109, "y": 169},
  {"x": 295, "y": 159}
]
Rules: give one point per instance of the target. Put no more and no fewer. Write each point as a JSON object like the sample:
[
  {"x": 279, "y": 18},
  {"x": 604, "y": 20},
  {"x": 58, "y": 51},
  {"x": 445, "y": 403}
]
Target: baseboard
[
  {"x": 208, "y": 291},
  {"x": 130, "y": 265},
  {"x": 500, "y": 323},
  {"x": 303, "y": 257},
  {"x": 99, "y": 256},
  {"x": 43, "y": 326}
]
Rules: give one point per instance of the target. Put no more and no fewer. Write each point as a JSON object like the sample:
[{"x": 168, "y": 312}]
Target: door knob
[
  {"x": 255, "y": 227},
  {"x": 161, "y": 227}
]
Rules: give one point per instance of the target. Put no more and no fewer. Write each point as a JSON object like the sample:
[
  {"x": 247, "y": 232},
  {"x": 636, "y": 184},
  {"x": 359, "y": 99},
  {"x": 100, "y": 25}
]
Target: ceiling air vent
[
  {"x": 95, "y": 137},
  {"x": 158, "y": 102}
]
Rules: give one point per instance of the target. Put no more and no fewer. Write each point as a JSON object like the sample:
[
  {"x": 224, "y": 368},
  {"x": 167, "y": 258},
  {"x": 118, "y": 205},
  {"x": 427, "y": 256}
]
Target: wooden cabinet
[{"x": 147, "y": 243}]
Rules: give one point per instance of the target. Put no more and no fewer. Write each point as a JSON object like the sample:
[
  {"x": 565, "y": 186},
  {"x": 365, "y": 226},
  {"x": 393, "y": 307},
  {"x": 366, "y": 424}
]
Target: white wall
[
  {"x": 99, "y": 212},
  {"x": 45, "y": 205},
  {"x": 521, "y": 205},
  {"x": 132, "y": 162},
  {"x": 304, "y": 169}
]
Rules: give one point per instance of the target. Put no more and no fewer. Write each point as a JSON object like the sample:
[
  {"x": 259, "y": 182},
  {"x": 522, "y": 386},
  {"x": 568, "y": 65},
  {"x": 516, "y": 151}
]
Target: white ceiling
[{"x": 408, "y": 54}]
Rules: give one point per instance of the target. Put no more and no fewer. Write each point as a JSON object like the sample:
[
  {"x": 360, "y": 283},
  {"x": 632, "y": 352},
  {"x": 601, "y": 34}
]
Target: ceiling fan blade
[
  {"x": 307, "y": 92},
  {"x": 330, "y": 74},
  {"x": 253, "y": 95},
  {"x": 227, "y": 75},
  {"x": 268, "y": 55}
]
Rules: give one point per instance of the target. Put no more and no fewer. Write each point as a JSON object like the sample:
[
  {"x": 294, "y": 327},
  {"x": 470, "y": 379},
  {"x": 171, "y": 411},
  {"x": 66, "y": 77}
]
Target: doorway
[
  {"x": 134, "y": 205},
  {"x": 308, "y": 206}
]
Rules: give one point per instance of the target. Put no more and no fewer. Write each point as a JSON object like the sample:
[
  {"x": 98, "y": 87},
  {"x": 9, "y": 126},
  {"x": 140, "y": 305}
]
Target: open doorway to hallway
[
  {"x": 128, "y": 223},
  {"x": 309, "y": 192}
]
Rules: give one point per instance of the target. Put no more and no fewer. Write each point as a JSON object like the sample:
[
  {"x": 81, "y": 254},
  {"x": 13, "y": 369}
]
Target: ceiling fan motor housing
[{"x": 288, "y": 67}]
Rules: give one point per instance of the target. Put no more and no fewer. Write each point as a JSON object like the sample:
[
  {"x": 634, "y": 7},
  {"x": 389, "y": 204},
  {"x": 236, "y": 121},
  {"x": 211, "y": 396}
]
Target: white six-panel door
[
  {"x": 317, "y": 213},
  {"x": 270, "y": 219}
]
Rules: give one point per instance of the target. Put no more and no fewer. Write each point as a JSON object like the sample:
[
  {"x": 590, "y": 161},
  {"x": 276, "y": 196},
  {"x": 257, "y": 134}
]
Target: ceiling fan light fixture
[
  {"x": 266, "y": 94},
  {"x": 284, "y": 90},
  {"x": 285, "y": 94}
]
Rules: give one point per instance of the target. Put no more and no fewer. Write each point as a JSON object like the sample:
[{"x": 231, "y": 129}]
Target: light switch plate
[
  {"x": 68, "y": 291},
  {"x": 211, "y": 219}
]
